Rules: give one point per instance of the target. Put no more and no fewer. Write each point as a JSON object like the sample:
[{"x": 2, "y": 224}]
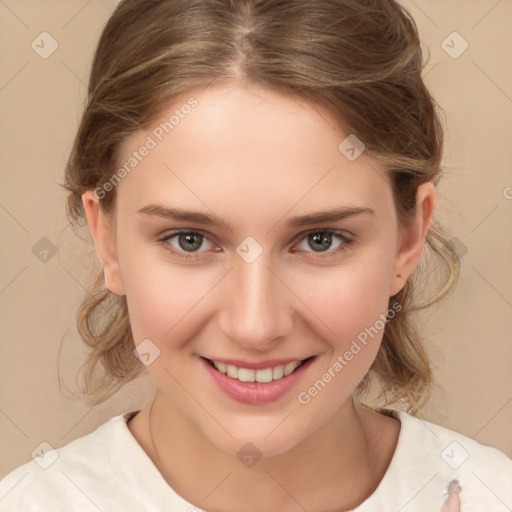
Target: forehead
[{"x": 231, "y": 145}]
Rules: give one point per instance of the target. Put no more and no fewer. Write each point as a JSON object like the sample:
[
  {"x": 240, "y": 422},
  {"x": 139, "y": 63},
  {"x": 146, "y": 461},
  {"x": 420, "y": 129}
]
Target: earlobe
[
  {"x": 103, "y": 234},
  {"x": 413, "y": 237}
]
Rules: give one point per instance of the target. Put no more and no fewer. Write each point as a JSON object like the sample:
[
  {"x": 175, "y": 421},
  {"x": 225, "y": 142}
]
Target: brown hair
[{"x": 359, "y": 58}]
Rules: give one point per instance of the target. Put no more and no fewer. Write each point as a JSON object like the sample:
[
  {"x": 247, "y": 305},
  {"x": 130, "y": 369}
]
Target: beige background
[{"x": 41, "y": 100}]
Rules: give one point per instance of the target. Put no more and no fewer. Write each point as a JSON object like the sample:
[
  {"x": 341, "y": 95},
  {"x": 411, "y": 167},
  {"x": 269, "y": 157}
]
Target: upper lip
[{"x": 260, "y": 365}]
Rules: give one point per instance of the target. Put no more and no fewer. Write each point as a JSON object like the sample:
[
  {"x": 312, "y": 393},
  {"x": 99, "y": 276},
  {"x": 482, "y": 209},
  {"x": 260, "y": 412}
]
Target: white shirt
[{"x": 107, "y": 470}]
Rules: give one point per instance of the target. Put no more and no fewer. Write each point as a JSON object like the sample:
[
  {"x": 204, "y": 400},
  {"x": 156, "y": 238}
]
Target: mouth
[
  {"x": 257, "y": 383},
  {"x": 260, "y": 375}
]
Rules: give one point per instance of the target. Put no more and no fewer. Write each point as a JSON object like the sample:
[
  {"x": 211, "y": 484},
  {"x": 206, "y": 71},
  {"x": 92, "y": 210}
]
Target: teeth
[
  {"x": 278, "y": 372},
  {"x": 290, "y": 367},
  {"x": 231, "y": 370},
  {"x": 221, "y": 367},
  {"x": 246, "y": 375},
  {"x": 264, "y": 375}
]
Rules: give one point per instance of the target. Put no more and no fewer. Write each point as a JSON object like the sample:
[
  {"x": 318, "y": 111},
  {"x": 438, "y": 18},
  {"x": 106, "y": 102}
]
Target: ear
[
  {"x": 103, "y": 233},
  {"x": 412, "y": 238}
]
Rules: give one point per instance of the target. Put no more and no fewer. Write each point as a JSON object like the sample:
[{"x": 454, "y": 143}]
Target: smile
[
  {"x": 264, "y": 383},
  {"x": 261, "y": 375}
]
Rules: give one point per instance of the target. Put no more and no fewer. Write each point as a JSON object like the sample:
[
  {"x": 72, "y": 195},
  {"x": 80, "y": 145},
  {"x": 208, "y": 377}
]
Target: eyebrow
[{"x": 212, "y": 220}]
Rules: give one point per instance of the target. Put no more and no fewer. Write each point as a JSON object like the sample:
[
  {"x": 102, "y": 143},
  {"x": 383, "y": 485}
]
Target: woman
[{"x": 259, "y": 179}]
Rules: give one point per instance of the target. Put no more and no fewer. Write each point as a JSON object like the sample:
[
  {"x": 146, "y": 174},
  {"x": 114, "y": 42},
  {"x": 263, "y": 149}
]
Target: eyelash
[{"x": 346, "y": 242}]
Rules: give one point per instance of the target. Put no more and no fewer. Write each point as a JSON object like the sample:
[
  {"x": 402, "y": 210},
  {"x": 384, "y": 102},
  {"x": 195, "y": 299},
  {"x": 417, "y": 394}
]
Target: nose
[{"x": 256, "y": 307}]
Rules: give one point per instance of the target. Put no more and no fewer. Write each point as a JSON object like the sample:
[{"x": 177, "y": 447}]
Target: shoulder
[
  {"x": 65, "y": 474},
  {"x": 459, "y": 452},
  {"x": 428, "y": 457}
]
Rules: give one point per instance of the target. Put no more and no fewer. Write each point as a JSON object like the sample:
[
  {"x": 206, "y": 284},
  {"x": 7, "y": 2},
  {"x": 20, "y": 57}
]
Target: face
[{"x": 218, "y": 251}]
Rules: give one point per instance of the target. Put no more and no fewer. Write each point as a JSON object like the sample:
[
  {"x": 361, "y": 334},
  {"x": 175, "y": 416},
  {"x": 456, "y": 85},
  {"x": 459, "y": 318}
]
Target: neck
[{"x": 336, "y": 468}]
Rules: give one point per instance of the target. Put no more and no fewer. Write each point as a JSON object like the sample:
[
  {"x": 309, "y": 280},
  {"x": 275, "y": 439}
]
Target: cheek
[
  {"x": 349, "y": 304},
  {"x": 169, "y": 303},
  {"x": 164, "y": 299},
  {"x": 346, "y": 299}
]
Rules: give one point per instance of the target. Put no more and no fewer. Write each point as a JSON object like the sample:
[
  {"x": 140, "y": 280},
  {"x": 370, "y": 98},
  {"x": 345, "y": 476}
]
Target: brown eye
[
  {"x": 185, "y": 244},
  {"x": 326, "y": 241},
  {"x": 320, "y": 241},
  {"x": 190, "y": 241}
]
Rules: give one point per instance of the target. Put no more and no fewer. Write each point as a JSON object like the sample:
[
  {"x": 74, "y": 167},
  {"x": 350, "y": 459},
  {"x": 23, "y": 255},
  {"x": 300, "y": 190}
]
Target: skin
[
  {"x": 256, "y": 158},
  {"x": 452, "y": 503}
]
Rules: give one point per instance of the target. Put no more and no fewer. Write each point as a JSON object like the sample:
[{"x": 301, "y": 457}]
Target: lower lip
[{"x": 256, "y": 392}]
